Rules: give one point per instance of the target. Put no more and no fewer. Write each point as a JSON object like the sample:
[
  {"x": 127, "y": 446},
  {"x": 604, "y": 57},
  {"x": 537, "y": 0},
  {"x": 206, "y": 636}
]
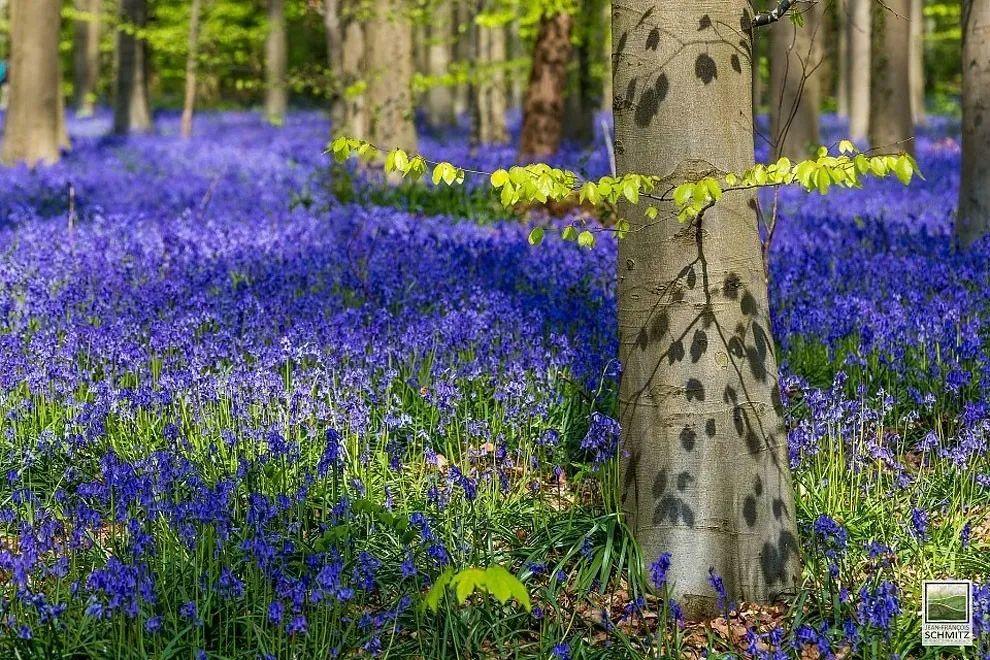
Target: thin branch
[{"x": 774, "y": 15}]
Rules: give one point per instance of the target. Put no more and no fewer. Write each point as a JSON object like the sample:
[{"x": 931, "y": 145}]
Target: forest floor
[{"x": 254, "y": 406}]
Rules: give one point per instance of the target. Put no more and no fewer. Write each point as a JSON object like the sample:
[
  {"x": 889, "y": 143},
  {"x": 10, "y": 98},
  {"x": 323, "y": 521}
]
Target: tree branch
[{"x": 774, "y": 15}]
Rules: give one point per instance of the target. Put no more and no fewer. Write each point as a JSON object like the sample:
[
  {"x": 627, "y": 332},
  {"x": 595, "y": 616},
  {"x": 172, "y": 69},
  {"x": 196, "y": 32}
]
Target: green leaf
[
  {"x": 433, "y": 596},
  {"x": 536, "y": 236},
  {"x": 683, "y": 194},
  {"x": 903, "y": 170},
  {"x": 652, "y": 212},
  {"x": 503, "y": 585},
  {"x": 499, "y": 178},
  {"x": 586, "y": 239},
  {"x": 467, "y": 581},
  {"x": 847, "y": 147},
  {"x": 569, "y": 233}
]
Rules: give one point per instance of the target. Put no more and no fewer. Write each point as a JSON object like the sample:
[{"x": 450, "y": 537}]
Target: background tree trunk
[
  {"x": 543, "y": 108},
  {"x": 86, "y": 57},
  {"x": 335, "y": 60},
  {"x": 192, "y": 63},
  {"x": 276, "y": 63},
  {"x": 704, "y": 453},
  {"x": 795, "y": 84},
  {"x": 891, "y": 125},
  {"x": 974, "y": 186},
  {"x": 842, "y": 58},
  {"x": 489, "y": 101},
  {"x": 352, "y": 118},
  {"x": 440, "y": 98},
  {"x": 33, "y": 127},
  {"x": 463, "y": 50},
  {"x": 581, "y": 103},
  {"x": 858, "y": 27},
  {"x": 388, "y": 38},
  {"x": 131, "y": 109},
  {"x": 918, "y": 62}
]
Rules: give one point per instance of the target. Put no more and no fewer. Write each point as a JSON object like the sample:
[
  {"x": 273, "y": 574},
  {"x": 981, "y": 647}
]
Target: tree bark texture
[
  {"x": 796, "y": 54},
  {"x": 440, "y": 97},
  {"x": 351, "y": 116},
  {"x": 543, "y": 108},
  {"x": 891, "y": 124},
  {"x": 704, "y": 454},
  {"x": 842, "y": 58},
  {"x": 489, "y": 102},
  {"x": 335, "y": 59},
  {"x": 859, "y": 29},
  {"x": 86, "y": 57},
  {"x": 33, "y": 129},
  {"x": 192, "y": 63},
  {"x": 276, "y": 64},
  {"x": 131, "y": 108},
  {"x": 918, "y": 62},
  {"x": 974, "y": 185},
  {"x": 388, "y": 39}
]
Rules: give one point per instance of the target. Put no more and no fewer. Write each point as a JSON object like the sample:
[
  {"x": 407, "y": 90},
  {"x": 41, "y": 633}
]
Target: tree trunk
[
  {"x": 891, "y": 126},
  {"x": 918, "y": 62},
  {"x": 131, "y": 112},
  {"x": 440, "y": 97},
  {"x": 463, "y": 50},
  {"x": 842, "y": 57},
  {"x": 704, "y": 452},
  {"x": 276, "y": 61},
  {"x": 606, "y": 55},
  {"x": 351, "y": 118},
  {"x": 488, "y": 88},
  {"x": 795, "y": 84},
  {"x": 858, "y": 27},
  {"x": 974, "y": 185},
  {"x": 388, "y": 38},
  {"x": 580, "y": 105},
  {"x": 33, "y": 127},
  {"x": 335, "y": 60},
  {"x": 192, "y": 62},
  {"x": 86, "y": 57},
  {"x": 543, "y": 108}
]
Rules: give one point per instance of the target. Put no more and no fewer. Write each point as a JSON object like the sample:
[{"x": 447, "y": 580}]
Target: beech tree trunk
[
  {"x": 463, "y": 50},
  {"x": 351, "y": 117},
  {"x": 276, "y": 63},
  {"x": 192, "y": 63},
  {"x": 86, "y": 57},
  {"x": 704, "y": 453},
  {"x": 796, "y": 54},
  {"x": 335, "y": 59},
  {"x": 891, "y": 124},
  {"x": 842, "y": 58},
  {"x": 918, "y": 62},
  {"x": 974, "y": 185},
  {"x": 859, "y": 29},
  {"x": 388, "y": 39},
  {"x": 488, "y": 103},
  {"x": 33, "y": 129},
  {"x": 131, "y": 109},
  {"x": 580, "y": 105},
  {"x": 543, "y": 108},
  {"x": 440, "y": 97}
]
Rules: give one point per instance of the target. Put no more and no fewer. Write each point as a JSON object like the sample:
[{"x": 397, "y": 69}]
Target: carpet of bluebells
[{"x": 245, "y": 417}]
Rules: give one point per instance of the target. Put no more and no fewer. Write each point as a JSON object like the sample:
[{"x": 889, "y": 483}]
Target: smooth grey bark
[
  {"x": 276, "y": 63},
  {"x": 335, "y": 59},
  {"x": 974, "y": 186},
  {"x": 463, "y": 50},
  {"x": 842, "y": 58},
  {"x": 132, "y": 113},
  {"x": 192, "y": 64},
  {"x": 34, "y": 125},
  {"x": 439, "y": 101},
  {"x": 859, "y": 29},
  {"x": 891, "y": 124},
  {"x": 582, "y": 100},
  {"x": 918, "y": 62},
  {"x": 388, "y": 40},
  {"x": 704, "y": 454},
  {"x": 86, "y": 57},
  {"x": 351, "y": 118},
  {"x": 488, "y": 88},
  {"x": 796, "y": 54}
]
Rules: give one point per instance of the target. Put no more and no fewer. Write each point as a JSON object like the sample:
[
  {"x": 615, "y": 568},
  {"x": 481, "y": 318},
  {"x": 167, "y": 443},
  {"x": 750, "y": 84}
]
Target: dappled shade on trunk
[{"x": 704, "y": 454}]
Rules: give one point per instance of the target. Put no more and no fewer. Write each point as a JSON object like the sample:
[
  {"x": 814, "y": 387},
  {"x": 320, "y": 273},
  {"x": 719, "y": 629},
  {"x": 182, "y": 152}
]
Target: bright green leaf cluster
[{"x": 494, "y": 580}]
